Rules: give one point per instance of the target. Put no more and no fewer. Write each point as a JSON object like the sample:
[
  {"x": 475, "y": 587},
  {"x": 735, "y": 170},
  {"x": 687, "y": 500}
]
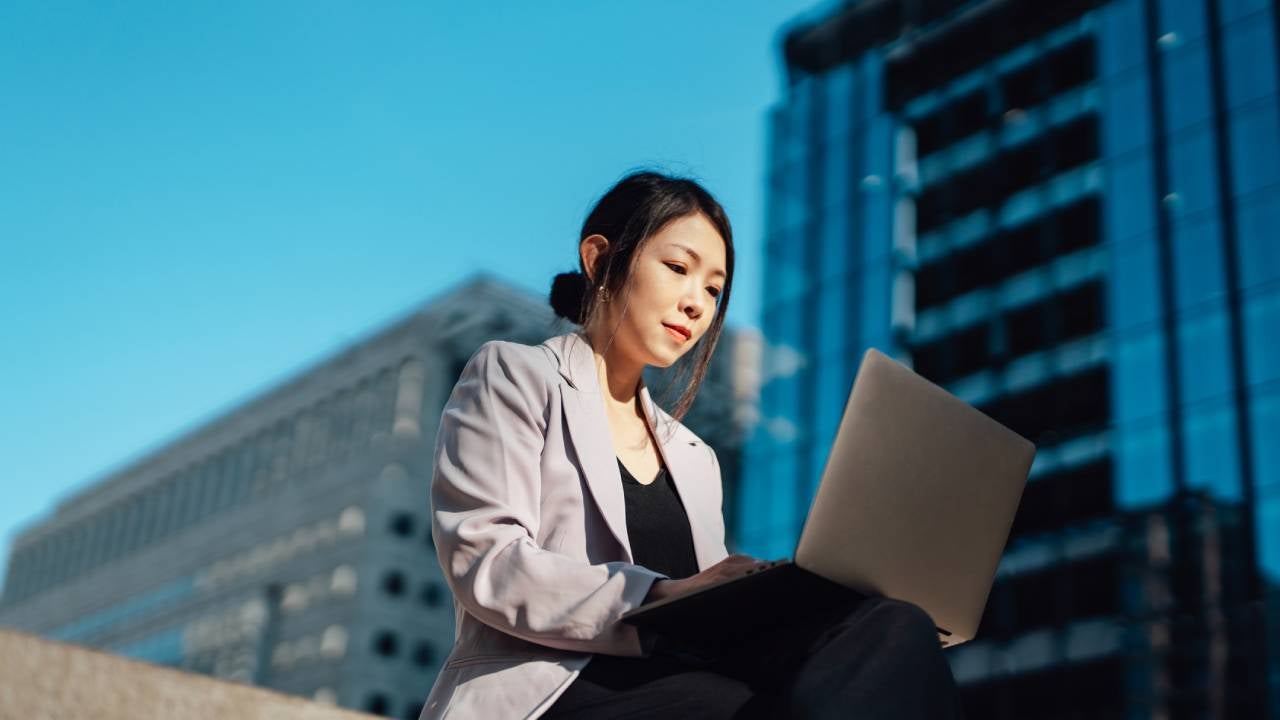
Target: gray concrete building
[{"x": 287, "y": 543}]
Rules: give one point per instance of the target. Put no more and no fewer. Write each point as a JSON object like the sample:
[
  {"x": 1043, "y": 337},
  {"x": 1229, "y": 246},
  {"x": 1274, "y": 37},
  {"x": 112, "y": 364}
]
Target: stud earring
[{"x": 602, "y": 294}]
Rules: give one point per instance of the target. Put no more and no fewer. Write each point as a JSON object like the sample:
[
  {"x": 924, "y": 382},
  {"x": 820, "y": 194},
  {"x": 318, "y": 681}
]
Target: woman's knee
[
  {"x": 904, "y": 621},
  {"x": 702, "y": 694}
]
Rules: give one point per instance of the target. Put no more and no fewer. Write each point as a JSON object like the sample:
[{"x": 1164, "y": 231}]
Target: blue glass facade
[
  {"x": 1069, "y": 219},
  {"x": 827, "y": 288}
]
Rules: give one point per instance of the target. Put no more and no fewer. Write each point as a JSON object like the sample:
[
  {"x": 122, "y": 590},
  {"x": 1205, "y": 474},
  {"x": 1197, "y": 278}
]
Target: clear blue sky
[{"x": 199, "y": 199}]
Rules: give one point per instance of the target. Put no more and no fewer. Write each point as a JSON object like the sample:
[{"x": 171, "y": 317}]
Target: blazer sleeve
[{"x": 485, "y": 494}]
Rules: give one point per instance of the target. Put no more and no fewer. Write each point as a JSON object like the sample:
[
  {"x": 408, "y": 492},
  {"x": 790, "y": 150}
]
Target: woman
[{"x": 563, "y": 496}]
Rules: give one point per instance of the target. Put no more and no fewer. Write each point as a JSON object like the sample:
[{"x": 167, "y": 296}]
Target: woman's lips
[{"x": 675, "y": 333}]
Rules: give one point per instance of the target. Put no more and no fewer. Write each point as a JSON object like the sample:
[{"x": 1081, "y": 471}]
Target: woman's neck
[{"x": 618, "y": 375}]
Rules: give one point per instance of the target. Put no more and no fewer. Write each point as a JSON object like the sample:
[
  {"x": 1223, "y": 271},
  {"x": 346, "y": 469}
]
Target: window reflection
[
  {"x": 1211, "y": 457},
  {"x": 1203, "y": 349},
  {"x": 1197, "y": 262},
  {"x": 1186, "y": 85},
  {"x": 1142, "y": 464},
  {"x": 1248, "y": 75},
  {"x": 1262, "y": 341},
  {"x": 1258, "y": 217},
  {"x": 1193, "y": 174},
  {"x": 1139, "y": 388},
  {"x": 1131, "y": 207},
  {"x": 1255, "y": 154},
  {"x": 1265, "y": 423},
  {"x": 1127, "y": 127},
  {"x": 1134, "y": 290}
]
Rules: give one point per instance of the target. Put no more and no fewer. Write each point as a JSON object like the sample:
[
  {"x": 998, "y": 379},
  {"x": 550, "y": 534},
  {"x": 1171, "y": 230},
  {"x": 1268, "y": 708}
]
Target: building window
[
  {"x": 408, "y": 409},
  {"x": 343, "y": 581},
  {"x": 333, "y": 643},
  {"x": 401, "y": 524},
  {"x": 377, "y": 703},
  {"x": 385, "y": 643},
  {"x": 431, "y": 594},
  {"x": 295, "y": 598},
  {"x": 393, "y": 583},
  {"x": 424, "y": 654},
  {"x": 351, "y": 521}
]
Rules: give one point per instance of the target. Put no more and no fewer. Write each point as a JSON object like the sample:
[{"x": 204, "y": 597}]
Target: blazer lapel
[
  {"x": 589, "y": 430},
  {"x": 593, "y": 443}
]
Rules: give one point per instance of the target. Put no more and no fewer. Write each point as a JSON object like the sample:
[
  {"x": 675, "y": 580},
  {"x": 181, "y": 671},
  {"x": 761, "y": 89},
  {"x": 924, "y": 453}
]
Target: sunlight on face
[{"x": 671, "y": 297}]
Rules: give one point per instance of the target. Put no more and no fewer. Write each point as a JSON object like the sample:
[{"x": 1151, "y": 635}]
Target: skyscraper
[{"x": 1064, "y": 213}]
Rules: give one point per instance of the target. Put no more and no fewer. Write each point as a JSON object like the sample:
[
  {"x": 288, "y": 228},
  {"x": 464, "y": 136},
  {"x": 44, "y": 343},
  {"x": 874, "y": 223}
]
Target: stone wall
[{"x": 43, "y": 679}]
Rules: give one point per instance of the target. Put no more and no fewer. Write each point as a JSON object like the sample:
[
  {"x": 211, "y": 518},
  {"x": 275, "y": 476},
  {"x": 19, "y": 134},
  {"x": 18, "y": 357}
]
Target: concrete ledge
[{"x": 44, "y": 679}]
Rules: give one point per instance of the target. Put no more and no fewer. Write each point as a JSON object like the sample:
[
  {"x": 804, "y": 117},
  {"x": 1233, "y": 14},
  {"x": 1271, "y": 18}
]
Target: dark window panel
[
  {"x": 386, "y": 643},
  {"x": 1082, "y": 311},
  {"x": 1023, "y": 87},
  {"x": 1078, "y": 226},
  {"x": 978, "y": 38},
  {"x": 377, "y": 703},
  {"x": 1009, "y": 172},
  {"x": 1027, "y": 329},
  {"x": 1066, "y": 407},
  {"x": 393, "y": 583},
  {"x": 401, "y": 524},
  {"x": 1072, "y": 65},
  {"x": 1005, "y": 254}
]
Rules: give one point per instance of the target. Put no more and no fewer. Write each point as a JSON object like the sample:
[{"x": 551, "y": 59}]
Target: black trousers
[{"x": 881, "y": 659}]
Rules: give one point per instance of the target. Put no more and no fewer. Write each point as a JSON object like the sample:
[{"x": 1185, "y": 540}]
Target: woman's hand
[{"x": 732, "y": 566}]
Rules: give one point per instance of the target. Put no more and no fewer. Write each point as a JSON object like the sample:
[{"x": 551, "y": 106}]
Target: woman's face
[{"x": 670, "y": 299}]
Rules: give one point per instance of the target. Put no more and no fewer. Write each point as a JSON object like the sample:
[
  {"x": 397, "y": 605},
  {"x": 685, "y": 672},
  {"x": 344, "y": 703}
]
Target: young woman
[{"x": 563, "y": 496}]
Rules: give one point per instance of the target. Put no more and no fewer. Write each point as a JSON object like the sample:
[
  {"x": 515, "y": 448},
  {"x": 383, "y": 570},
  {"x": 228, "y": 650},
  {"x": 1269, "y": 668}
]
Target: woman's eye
[
  {"x": 715, "y": 292},
  {"x": 677, "y": 268}
]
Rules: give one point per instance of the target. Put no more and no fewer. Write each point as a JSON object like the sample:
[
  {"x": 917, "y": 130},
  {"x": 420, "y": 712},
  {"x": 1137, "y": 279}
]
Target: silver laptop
[{"x": 916, "y": 501}]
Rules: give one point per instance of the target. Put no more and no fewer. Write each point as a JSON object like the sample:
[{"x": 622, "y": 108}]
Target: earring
[{"x": 602, "y": 294}]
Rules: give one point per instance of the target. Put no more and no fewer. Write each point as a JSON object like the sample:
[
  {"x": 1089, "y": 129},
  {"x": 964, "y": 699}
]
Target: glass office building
[{"x": 1067, "y": 215}]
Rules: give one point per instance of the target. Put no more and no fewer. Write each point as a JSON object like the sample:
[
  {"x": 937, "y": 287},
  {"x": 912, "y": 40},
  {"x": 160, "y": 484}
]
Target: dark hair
[{"x": 631, "y": 212}]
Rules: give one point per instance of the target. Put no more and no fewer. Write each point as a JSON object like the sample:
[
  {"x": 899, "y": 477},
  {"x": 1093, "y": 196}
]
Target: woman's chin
[{"x": 663, "y": 357}]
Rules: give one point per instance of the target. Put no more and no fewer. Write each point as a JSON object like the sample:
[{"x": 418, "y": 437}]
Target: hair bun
[{"x": 568, "y": 292}]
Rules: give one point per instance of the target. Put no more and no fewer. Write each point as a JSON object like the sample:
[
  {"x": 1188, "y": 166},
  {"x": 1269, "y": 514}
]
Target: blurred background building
[
  {"x": 1064, "y": 213},
  {"x": 287, "y": 543}
]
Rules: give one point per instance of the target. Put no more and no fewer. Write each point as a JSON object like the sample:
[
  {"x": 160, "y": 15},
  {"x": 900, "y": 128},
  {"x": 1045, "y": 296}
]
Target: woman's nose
[{"x": 692, "y": 307}]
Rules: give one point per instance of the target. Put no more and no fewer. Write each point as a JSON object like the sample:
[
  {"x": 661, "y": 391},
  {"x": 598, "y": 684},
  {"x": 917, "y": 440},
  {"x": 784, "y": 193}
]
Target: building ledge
[{"x": 45, "y": 679}]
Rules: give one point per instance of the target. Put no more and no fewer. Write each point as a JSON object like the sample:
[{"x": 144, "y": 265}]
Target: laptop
[{"x": 915, "y": 502}]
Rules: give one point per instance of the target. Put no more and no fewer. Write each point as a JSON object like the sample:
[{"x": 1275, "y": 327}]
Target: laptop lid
[{"x": 917, "y": 497}]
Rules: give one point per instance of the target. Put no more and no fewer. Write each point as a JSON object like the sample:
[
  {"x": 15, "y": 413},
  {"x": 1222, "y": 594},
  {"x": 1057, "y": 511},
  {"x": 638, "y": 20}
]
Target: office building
[
  {"x": 285, "y": 543},
  {"x": 1065, "y": 214}
]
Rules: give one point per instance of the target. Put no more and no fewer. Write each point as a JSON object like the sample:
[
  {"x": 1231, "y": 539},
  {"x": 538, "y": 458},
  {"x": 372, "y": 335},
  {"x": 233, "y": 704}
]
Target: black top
[{"x": 658, "y": 526}]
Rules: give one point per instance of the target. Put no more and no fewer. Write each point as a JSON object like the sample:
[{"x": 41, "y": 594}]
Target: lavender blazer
[{"x": 530, "y": 526}]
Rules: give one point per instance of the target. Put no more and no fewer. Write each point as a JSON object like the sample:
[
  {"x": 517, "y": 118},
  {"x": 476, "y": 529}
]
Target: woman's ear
[{"x": 593, "y": 248}]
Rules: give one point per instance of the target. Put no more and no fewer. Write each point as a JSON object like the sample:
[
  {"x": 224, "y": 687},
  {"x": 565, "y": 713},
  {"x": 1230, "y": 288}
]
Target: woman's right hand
[{"x": 732, "y": 566}]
